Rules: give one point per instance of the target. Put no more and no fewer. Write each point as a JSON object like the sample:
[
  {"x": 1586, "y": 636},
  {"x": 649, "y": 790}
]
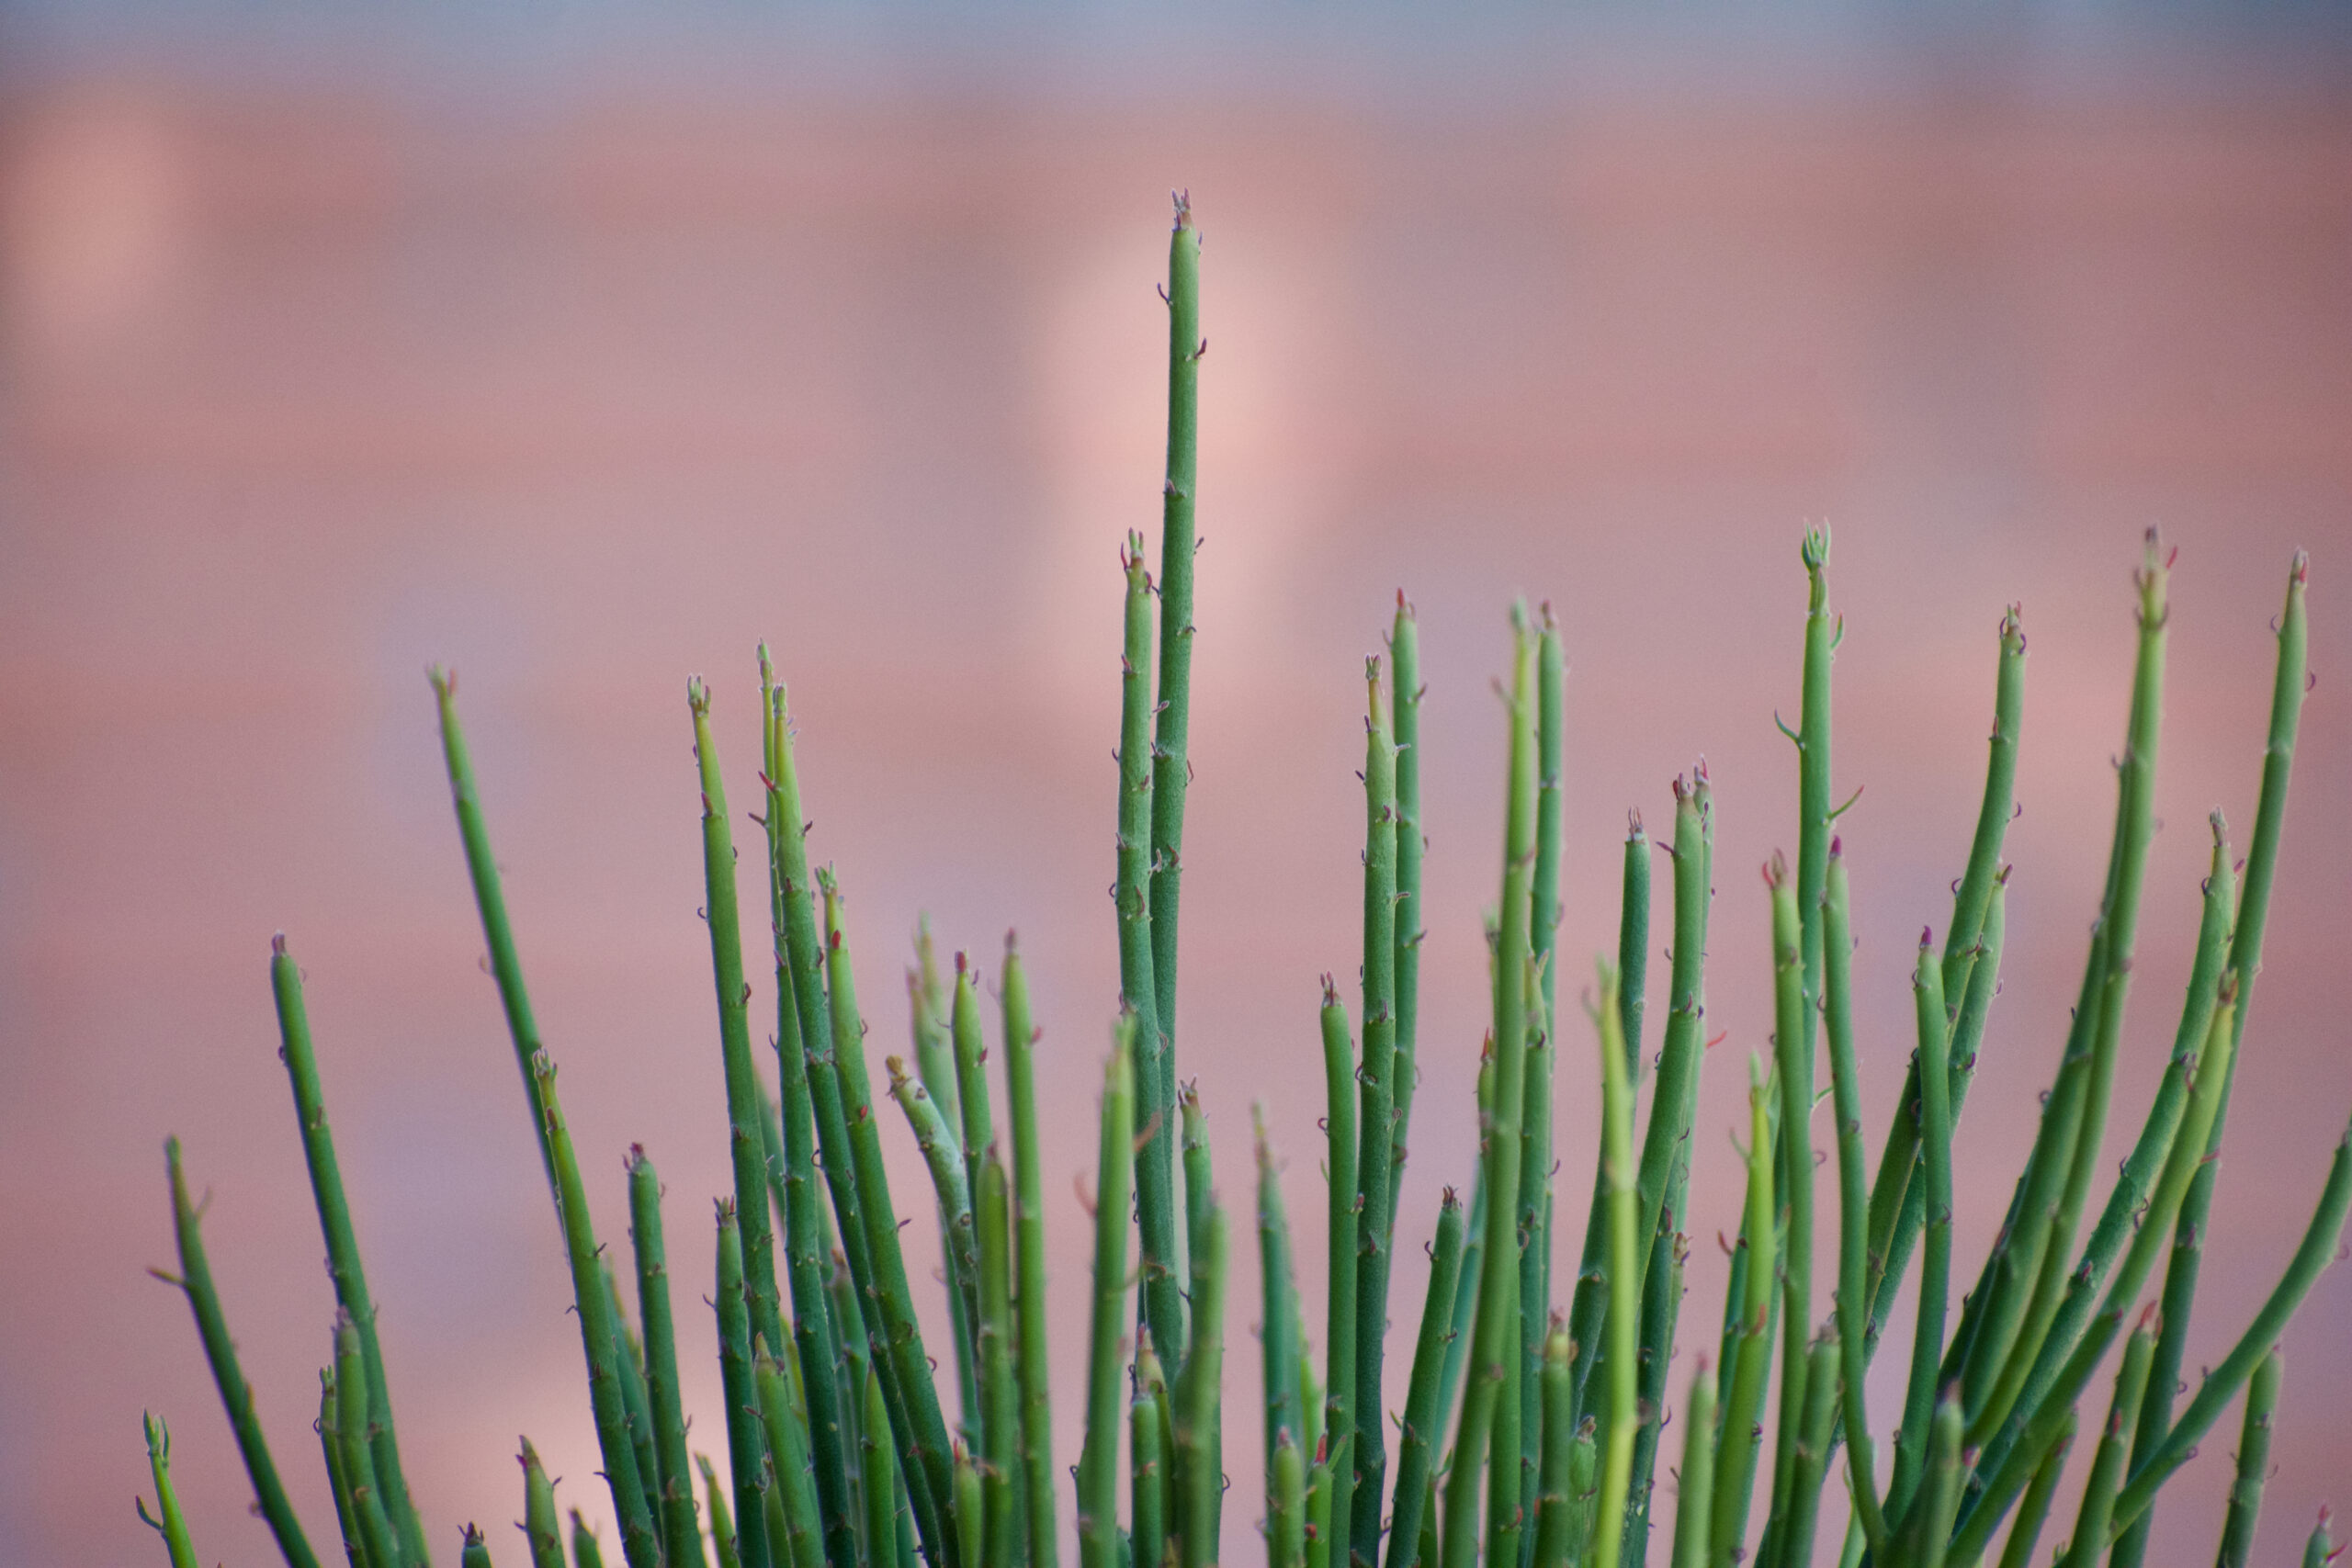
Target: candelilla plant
[{"x": 1530, "y": 1411}]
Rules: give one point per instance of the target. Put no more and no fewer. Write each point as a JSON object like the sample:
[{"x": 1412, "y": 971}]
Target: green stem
[
  {"x": 1163, "y": 1281},
  {"x": 747, "y": 1144},
  {"x": 540, "y": 1524},
  {"x": 999, "y": 1399},
  {"x": 2253, "y": 1463},
  {"x": 1170, "y": 763},
  {"x": 1625, "y": 1241},
  {"x": 599, "y": 1341},
  {"x": 2035, "y": 1510},
  {"x": 746, "y": 1443},
  {"x": 1895, "y": 1210},
  {"x": 1935, "y": 1273},
  {"x": 947, "y": 1168},
  {"x": 1339, "y": 1338},
  {"x": 2107, "y": 1468},
  {"x": 1029, "y": 1242},
  {"x": 330, "y": 1429},
  {"x": 1376, "y": 1085},
  {"x": 791, "y": 1478},
  {"x": 1495, "y": 1332},
  {"x": 352, "y": 1421},
  {"x": 1815, "y": 1441},
  {"x": 1852, "y": 1217},
  {"x": 2317, "y": 1250},
  {"x": 1552, "y": 1547},
  {"x": 1416, "y": 1445},
  {"x": 1278, "y": 1326},
  {"x": 927, "y": 1464},
  {"x": 1794, "y": 985},
  {"x": 1200, "y": 1484},
  {"x": 344, "y": 1265},
  {"x": 1097, "y": 1468},
  {"x": 1691, "y": 1514},
  {"x": 1286, "y": 1507},
  {"x": 1147, "y": 1461},
  {"x": 722, "y": 1521},
  {"x": 475, "y": 1554},
  {"x": 634, "y": 1400},
  {"x": 1736, "y": 1446},
  {"x": 195, "y": 1281},
  {"x": 1405, "y": 724},
  {"x": 1590, "y": 1296},
  {"x": 681, "y": 1534},
  {"x": 489, "y": 898},
  {"x": 170, "y": 1524},
  {"x": 2288, "y": 687},
  {"x": 814, "y": 1333}
]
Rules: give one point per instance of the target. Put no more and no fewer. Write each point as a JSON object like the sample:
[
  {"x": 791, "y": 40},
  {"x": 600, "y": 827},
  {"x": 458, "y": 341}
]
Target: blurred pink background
[{"x": 584, "y": 364}]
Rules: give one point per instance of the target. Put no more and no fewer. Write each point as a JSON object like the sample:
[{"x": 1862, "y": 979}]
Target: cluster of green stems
[{"x": 1529, "y": 1429}]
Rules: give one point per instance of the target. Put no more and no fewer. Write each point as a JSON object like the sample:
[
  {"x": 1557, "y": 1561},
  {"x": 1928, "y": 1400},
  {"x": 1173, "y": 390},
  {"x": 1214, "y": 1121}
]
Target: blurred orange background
[{"x": 583, "y": 363}]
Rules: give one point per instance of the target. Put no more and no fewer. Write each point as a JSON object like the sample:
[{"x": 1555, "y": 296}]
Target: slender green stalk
[
  {"x": 1694, "y": 1506},
  {"x": 1590, "y": 1295},
  {"x": 1666, "y": 1146},
  {"x": 1821, "y": 631},
  {"x": 1498, "y": 1284},
  {"x": 2106, "y": 1467},
  {"x": 1735, "y": 1447},
  {"x": 358, "y": 1461},
  {"x": 1794, "y": 985},
  {"x": 1416, "y": 1443},
  {"x": 168, "y": 1522},
  {"x": 1286, "y": 1507},
  {"x": 2152, "y": 1152},
  {"x": 476, "y": 1550},
  {"x": 746, "y": 1144},
  {"x": 1935, "y": 1274},
  {"x": 971, "y": 1508},
  {"x": 1940, "y": 1490},
  {"x": 195, "y": 1281},
  {"x": 1278, "y": 1328},
  {"x": 2289, "y": 684},
  {"x": 722, "y": 1521},
  {"x": 1897, "y": 1208},
  {"x": 489, "y": 897},
  {"x": 343, "y": 1266},
  {"x": 930, "y": 1013},
  {"x": 1029, "y": 1244},
  {"x": 635, "y": 1400},
  {"x": 791, "y": 1479},
  {"x": 2106, "y": 988},
  {"x": 1815, "y": 1437},
  {"x": 1661, "y": 1304},
  {"x": 909, "y": 1395},
  {"x": 999, "y": 1399},
  {"x": 1098, "y": 1465},
  {"x": 1465, "y": 1292},
  {"x": 1318, "y": 1512},
  {"x": 803, "y": 1031},
  {"x": 2057, "y": 1376},
  {"x": 1535, "y": 1126},
  {"x": 1375, "y": 1085},
  {"x": 945, "y": 1162},
  {"x": 1148, "y": 1463},
  {"x": 1198, "y": 1182},
  {"x": 746, "y": 1443},
  {"x": 599, "y": 1341},
  {"x": 975, "y": 1121},
  {"x": 585, "y": 1553},
  {"x": 1200, "y": 1484},
  {"x": 2035, "y": 1510},
  {"x": 1405, "y": 725},
  {"x": 2253, "y": 1463},
  {"x": 2318, "y": 1551},
  {"x": 1624, "y": 1240},
  {"x": 1853, "y": 1292},
  {"x": 681, "y": 1534},
  {"x": 881, "y": 1471},
  {"x": 540, "y": 1524},
  {"x": 1163, "y": 1306},
  {"x": 330, "y": 1425},
  {"x": 1339, "y": 1338},
  {"x": 1553, "y": 1548},
  {"x": 2315, "y": 1252},
  {"x": 1171, "y": 768}
]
